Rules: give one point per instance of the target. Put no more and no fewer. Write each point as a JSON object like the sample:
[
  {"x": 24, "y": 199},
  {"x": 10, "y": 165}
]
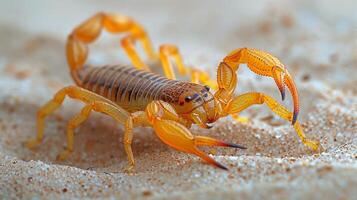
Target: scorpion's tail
[{"x": 89, "y": 30}]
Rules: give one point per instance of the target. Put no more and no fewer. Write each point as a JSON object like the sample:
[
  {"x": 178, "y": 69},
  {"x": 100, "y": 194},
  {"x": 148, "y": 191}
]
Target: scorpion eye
[
  {"x": 188, "y": 98},
  {"x": 207, "y": 88}
]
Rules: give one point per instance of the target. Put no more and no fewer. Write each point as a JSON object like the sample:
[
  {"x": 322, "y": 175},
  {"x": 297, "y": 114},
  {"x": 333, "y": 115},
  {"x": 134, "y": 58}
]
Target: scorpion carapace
[{"x": 137, "y": 97}]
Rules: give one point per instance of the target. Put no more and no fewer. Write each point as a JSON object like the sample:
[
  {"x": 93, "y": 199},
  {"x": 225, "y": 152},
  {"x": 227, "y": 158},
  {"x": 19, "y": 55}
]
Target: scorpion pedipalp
[
  {"x": 176, "y": 135},
  {"x": 261, "y": 63},
  {"x": 179, "y": 137}
]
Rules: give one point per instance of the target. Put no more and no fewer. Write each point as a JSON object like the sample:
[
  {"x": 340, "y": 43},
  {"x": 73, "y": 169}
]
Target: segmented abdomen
[{"x": 128, "y": 87}]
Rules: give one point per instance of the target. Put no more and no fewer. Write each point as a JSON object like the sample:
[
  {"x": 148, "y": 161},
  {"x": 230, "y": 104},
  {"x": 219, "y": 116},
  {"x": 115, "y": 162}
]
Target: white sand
[{"x": 316, "y": 42}]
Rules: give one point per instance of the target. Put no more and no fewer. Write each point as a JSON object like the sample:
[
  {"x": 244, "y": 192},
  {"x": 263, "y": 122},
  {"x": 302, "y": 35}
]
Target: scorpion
[{"x": 134, "y": 96}]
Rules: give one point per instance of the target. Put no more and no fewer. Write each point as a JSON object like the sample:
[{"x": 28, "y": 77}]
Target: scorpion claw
[
  {"x": 292, "y": 88},
  {"x": 207, "y": 141},
  {"x": 208, "y": 159},
  {"x": 179, "y": 137},
  {"x": 219, "y": 165},
  {"x": 282, "y": 77},
  {"x": 278, "y": 76},
  {"x": 236, "y": 146},
  {"x": 295, "y": 115},
  {"x": 282, "y": 94}
]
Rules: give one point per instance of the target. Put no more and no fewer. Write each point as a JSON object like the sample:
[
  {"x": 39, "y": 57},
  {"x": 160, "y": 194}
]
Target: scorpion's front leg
[
  {"x": 172, "y": 130},
  {"x": 244, "y": 101}
]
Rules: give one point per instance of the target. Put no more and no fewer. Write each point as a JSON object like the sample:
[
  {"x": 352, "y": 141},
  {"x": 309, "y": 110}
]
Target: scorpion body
[
  {"x": 137, "y": 97},
  {"x": 134, "y": 89}
]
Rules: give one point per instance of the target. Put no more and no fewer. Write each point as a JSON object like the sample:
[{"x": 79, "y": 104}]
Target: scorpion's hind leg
[
  {"x": 47, "y": 109},
  {"x": 73, "y": 92},
  {"x": 172, "y": 131},
  {"x": 115, "y": 112},
  {"x": 94, "y": 102},
  {"x": 244, "y": 101}
]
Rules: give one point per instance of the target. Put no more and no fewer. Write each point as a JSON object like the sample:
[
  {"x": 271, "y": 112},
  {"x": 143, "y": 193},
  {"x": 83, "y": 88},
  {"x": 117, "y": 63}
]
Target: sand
[{"x": 316, "y": 42}]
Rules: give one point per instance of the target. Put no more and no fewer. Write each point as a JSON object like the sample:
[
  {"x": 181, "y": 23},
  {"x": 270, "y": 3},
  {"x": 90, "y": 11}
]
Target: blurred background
[
  {"x": 305, "y": 35},
  {"x": 316, "y": 40}
]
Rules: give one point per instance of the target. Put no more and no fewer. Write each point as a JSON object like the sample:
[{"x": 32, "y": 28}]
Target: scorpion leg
[
  {"x": 128, "y": 44},
  {"x": 199, "y": 76},
  {"x": 244, "y": 101},
  {"x": 47, "y": 109},
  {"x": 167, "y": 51},
  {"x": 101, "y": 104},
  {"x": 136, "y": 118},
  {"x": 115, "y": 112},
  {"x": 73, "y": 92},
  {"x": 53, "y": 104},
  {"x": 175, "y": 134}
]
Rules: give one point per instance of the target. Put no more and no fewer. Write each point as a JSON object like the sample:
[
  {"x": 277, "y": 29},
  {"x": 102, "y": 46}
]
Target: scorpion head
[{"x": 199, "y": 106}]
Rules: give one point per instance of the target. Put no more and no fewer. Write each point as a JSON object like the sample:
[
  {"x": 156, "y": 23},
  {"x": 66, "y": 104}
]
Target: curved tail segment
[
  {"x": 89, "y": 31},
  {"x": 259, "y": 62}
]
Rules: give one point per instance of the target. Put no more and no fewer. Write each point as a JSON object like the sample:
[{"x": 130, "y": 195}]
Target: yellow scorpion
[{"x": 137, "y": 97}]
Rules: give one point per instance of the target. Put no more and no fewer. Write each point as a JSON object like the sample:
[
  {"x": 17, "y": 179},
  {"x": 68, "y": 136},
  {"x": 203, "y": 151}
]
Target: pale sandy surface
[{"x": 317, "y": 42}]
